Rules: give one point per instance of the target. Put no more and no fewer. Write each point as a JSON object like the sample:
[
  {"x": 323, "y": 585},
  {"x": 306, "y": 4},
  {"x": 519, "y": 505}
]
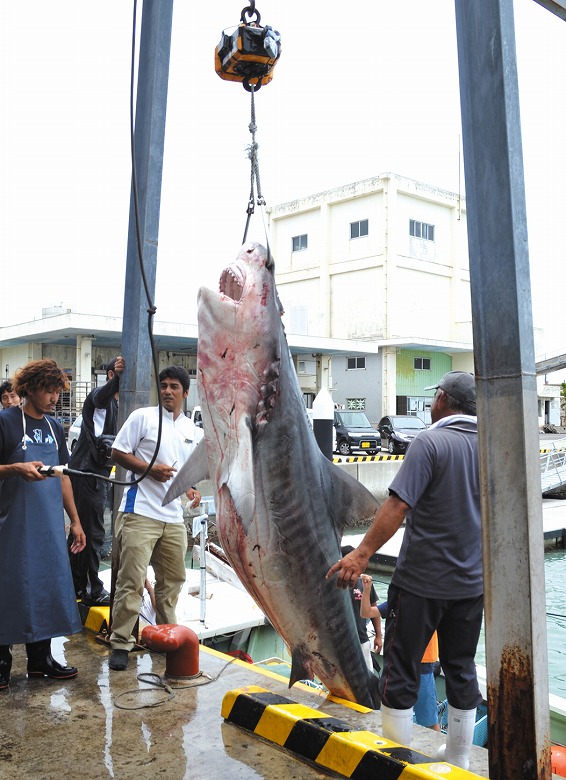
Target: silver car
[{"x": 74, "y": 432}]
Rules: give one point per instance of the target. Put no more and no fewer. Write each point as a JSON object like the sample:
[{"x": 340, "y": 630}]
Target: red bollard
[
  {"x": 181, "y": 646},
  {"x": 558, "y": 760}
]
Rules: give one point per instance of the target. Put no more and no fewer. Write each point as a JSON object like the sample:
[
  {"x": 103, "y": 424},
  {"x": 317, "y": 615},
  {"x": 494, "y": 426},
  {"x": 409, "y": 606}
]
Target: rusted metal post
[{"x": 517, "y": 666}]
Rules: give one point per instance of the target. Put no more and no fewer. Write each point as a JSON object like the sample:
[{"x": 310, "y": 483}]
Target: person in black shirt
[{"x": 99, "y": 426}]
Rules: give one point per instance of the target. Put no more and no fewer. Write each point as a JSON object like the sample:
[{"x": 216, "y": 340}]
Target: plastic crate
[{"x": 480, "y": 729}]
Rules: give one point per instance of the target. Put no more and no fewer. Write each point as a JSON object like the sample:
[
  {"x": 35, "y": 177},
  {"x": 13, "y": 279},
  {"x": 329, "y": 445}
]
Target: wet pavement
[{"x": 83, "y": 729}]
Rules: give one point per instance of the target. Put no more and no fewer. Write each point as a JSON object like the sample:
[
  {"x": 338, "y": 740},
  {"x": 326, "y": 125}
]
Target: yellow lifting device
[{"x": 250, "y": 53}]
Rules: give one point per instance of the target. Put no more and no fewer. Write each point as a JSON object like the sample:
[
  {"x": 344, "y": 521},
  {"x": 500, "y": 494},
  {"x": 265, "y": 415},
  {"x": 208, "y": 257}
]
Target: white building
[
  {"x": 374, "y": 278},
  {"x": 382, "y": 261}
]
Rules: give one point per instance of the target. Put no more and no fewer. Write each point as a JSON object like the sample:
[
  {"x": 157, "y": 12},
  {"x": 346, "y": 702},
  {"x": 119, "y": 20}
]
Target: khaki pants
[{"x": 140, "y": 541}]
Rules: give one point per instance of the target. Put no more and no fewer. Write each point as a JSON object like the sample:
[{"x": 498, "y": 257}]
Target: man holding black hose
[{"x": 91, "y": 454}]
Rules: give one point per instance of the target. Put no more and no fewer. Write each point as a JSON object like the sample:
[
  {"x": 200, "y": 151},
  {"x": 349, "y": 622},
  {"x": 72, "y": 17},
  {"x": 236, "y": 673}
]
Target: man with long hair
[{"x": 37, "y": 599}]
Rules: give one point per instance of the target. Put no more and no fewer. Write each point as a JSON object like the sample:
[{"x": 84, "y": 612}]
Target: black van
[{"x": 354, "y": 432}]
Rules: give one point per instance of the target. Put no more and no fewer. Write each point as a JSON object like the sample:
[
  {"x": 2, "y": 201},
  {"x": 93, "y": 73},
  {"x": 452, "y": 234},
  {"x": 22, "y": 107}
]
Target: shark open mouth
[{"x": 232, "y": 283}]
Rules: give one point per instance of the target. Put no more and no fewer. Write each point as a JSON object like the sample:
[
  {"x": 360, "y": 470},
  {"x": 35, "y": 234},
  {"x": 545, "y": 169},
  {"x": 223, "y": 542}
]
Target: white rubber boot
[
  {"x": 459, "y": 738},
  {"x": 397, "y": 725}
]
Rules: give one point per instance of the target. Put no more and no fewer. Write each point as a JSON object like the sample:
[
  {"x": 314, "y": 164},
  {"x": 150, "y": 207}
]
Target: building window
[
  {"x": 356, "y": 404},
  {"x": 359, "y": 229},
  {"x": 300, "y": 243},
  {"x": 356, "y": 362},
  {"x": 421, "y": 230},
  {"x": 421, "y": 364}
]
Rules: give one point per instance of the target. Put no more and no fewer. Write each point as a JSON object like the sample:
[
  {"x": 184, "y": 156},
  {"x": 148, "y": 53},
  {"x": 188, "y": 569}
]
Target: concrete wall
[{"x": 376, "y": 476}]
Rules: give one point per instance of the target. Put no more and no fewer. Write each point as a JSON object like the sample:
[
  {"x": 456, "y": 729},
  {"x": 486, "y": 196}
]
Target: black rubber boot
[
  {"x": 42, "y": 664},
  {"x": 118, "y": 660},
  {"x": 5, "y": 665}
]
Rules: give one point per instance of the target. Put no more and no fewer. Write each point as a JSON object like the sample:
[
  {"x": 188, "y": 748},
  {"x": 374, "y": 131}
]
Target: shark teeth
[{"x": 231, "y": 283}]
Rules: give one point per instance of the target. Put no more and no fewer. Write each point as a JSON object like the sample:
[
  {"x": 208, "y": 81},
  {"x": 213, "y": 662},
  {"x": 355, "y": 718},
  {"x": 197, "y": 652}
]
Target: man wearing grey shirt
[{"x": 437, "y": 583}]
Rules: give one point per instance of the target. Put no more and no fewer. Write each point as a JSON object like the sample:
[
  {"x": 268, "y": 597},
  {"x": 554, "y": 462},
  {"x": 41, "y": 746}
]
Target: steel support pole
[
  {"x": 511, "y": 503},
  {"x": 149, "y": 137},
  {"x": 151, "y": 107}
]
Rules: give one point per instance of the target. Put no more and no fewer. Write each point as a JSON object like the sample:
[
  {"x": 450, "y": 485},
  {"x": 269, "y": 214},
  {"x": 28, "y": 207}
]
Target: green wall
[{"x": 411, "y": 382}]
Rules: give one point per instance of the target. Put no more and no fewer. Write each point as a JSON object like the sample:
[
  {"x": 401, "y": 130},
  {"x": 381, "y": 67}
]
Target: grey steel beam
[
  {"x": 151, "y": 108},
  {"x": 557, "y": 7},
  {"x": 551, "y": 364},
  {"x": 516, "y": 654}
]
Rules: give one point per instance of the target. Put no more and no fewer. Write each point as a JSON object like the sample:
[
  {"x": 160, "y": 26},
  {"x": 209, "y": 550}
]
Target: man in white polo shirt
[{"x": 145, "y": 530}]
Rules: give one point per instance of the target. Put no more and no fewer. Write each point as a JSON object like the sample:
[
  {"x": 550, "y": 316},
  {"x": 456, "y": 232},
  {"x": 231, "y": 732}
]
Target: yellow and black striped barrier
[
  {"x": 366, "y": 458},
  {"x": 94, "y": 618},
  {"x": 329, "y": 742}
]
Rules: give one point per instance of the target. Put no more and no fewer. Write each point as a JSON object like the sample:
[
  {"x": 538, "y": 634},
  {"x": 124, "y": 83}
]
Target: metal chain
[
  {"x": 254, "y": 174},
  {"x": 249, "y": 11}
]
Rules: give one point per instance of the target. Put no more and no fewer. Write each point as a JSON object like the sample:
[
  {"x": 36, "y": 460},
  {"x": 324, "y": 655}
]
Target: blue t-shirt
[
  {"x": 38, "y": 431},
  {"x": 441, "y": 552}
]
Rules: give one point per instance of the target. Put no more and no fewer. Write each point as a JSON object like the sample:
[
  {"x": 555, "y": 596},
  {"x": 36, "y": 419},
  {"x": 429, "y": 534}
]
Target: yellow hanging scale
[{"x": 248, "y": 55}]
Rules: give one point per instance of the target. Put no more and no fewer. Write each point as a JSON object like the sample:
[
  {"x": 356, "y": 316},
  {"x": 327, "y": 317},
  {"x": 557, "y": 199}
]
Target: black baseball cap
[{"x": 460, "y": 385}]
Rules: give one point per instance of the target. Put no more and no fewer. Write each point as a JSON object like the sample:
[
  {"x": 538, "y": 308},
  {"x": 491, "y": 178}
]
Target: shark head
[
  {"x": 238, "y": 367},
  {"x": 240, "y": 339}
]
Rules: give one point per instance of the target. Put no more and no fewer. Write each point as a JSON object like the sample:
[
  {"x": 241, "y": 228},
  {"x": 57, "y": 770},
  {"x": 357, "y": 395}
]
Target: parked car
[
  {"x": 74, "y": 431},
  {"x": 397, "y": 431},
  {"x": 197, "y": 417},
  {"x": 354, "y": 432}
]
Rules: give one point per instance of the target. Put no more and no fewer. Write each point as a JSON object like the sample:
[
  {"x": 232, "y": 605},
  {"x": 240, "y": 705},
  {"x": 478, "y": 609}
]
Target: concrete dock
[{"x": 96, "y": 726}]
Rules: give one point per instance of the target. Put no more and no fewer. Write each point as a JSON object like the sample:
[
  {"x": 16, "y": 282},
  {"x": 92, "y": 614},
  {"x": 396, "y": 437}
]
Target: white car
[{"x": 74, "y": 431}]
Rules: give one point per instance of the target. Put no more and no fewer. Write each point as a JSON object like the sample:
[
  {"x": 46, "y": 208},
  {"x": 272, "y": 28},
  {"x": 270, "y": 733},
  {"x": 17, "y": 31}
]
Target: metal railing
[
  {"x": 553, "y": 464},
  {"x": 71, "y": 402}
]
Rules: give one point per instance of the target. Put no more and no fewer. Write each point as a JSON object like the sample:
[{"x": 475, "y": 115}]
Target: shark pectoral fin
[
  {"x": 193, "y": 471},
  {"x": 356, "y": 505},
  {"x": 237, "y": 473},
  {"x": 299, "y": 668}
]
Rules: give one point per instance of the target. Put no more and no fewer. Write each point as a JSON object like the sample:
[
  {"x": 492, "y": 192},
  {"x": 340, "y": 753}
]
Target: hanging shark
[{"x": 281, "y": 506}]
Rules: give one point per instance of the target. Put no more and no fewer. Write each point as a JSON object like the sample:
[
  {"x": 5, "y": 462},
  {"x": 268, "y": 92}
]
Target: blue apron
[{"x": 37, "y": 598}]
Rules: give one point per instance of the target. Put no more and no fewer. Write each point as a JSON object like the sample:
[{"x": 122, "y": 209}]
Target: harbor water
[{"x": 555, "y": 579}]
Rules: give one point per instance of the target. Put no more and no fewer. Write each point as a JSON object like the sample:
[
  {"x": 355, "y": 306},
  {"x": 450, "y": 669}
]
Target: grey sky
[{"x": 360, "y": 89}]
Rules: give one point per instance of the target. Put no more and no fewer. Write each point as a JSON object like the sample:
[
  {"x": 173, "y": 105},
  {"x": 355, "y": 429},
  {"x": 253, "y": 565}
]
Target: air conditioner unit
[{"x": 306, "y": 367}]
